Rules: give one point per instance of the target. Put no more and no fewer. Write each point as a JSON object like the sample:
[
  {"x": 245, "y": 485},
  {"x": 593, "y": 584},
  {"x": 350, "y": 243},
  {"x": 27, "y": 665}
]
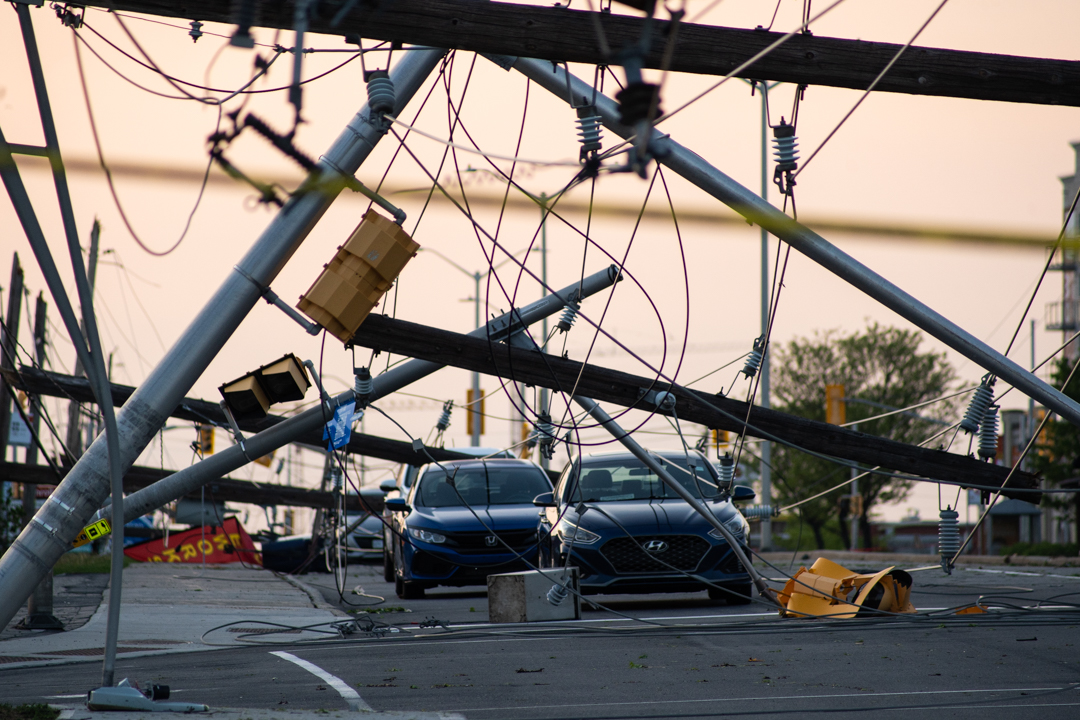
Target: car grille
[
  {"x": 426, "y": 564},
  {"x": 476, "y": 542},
  {"x": 684, "y": 552}
]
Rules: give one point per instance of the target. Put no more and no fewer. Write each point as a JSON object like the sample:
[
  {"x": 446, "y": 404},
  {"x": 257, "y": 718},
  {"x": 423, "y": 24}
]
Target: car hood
[
  {"x": 461, "y": 519},
  {"x": 650, "y": 516}
]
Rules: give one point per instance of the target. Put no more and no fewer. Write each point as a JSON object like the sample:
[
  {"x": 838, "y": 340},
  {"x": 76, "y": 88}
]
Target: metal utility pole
[
  {"x": 39, "y": 609},
  {"x": 474, "y": 409},
  {"x": 8, "y": 345},
  {"x": 499, "y": 329},
  {"x": 763, "y": 387},
  {"x": 694, "y": 168},
  {"x": 854, "y": 492},
  {"x": 85, "y": 488},
  {"x": 544, "y": 462},
  {"x": 74, "y": 439}
]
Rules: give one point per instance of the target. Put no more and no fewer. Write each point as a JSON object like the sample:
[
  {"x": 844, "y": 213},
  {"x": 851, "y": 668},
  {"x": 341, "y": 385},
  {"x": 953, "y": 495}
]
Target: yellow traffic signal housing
[
  {"x": 206, "y": 439},
  {"x": 354, "y": 281},
  {"x": 835, "y": 407},
  {"x": 831, "y": 590},
  {"x": 474, "y": 411}
]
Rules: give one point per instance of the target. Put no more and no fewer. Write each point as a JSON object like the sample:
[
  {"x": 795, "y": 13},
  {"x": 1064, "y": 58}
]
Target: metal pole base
[{"x": 40, "y": 621}]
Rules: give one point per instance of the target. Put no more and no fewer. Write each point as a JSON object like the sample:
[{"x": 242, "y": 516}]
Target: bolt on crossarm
[
  {"x": 84, "y": 489},
  {"x": 499, "y": 329},
  {"x": 598, "y": 414},
  {"x": 744, "y": 201}
]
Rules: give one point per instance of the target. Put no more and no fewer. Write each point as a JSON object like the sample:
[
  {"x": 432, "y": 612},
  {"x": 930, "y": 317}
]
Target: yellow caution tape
[{"x": 92, "y": 532}]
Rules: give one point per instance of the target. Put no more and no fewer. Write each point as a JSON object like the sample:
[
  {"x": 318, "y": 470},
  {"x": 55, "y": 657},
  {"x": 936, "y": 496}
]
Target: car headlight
[
  {"x": 427, "y": 536},
  {"x": 736, "y": 525},
  {"x": 568, "y": 532}
]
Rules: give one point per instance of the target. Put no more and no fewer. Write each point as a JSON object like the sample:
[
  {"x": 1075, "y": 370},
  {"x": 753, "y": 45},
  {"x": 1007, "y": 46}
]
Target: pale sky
[{"x": 913, "y": 161}]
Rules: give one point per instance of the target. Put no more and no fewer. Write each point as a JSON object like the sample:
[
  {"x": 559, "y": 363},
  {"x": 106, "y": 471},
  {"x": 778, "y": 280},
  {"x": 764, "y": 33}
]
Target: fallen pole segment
[
  {"x": 501, "y": 328},
  {"x": 78, "y": 497},
  {"x": 650, "y": 461},
  {"x": 713, "y": 411},
  {"x": 694, "y": 168}
]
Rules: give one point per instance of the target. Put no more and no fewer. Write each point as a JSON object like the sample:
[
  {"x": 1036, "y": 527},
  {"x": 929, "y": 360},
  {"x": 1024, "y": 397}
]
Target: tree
[
  {"x": 1057, "y": 451},
  {"x": 881, "y": 365}
]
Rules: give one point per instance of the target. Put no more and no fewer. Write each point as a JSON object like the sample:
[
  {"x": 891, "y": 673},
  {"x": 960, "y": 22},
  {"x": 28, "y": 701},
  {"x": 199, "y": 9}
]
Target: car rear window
[
  {"x": 481, "y": 485},
  {"x": 630, "y": 479}
]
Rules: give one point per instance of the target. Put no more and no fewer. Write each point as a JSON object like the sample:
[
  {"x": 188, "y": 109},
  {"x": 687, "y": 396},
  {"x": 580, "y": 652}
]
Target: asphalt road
[{"x": 692, "y": 659}]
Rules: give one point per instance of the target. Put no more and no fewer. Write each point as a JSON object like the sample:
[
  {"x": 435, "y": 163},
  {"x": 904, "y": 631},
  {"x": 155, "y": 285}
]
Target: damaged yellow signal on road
[
  {"x": 92, "y": 532},
  {"x": 828, "y": 589}
]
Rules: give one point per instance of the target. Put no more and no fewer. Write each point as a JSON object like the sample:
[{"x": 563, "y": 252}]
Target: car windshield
[
  {"x": 630, "y": 479},
  {"x": 487, "y": 484}
]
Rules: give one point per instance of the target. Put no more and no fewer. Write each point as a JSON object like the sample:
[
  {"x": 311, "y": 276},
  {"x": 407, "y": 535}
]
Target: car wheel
[
  {"x": 408, "y": 590},
  {"x": 735, "y": 595},
  {"x": 387, "y": 566}
]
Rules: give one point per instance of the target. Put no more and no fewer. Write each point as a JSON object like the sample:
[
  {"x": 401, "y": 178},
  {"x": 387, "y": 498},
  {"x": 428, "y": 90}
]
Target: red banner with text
[{"x": 222, "y": 544}]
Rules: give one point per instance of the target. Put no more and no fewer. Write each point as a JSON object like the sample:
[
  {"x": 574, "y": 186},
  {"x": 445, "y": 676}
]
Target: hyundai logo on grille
[
  {"x": 656, "y": 547},
  {"x": 491, "y": 541}
]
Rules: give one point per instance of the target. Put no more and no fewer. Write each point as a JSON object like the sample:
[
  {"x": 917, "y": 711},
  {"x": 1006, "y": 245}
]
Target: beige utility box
[
  {"x": 353, "y": 283},
  {"x": 522, "y": 596}
]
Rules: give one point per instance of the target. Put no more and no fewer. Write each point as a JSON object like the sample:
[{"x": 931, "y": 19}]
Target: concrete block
[{"x": 522, "y": 596}]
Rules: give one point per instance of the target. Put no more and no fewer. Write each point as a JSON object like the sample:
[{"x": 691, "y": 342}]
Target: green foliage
[
  {"x": 1058, "y": 446},
  {"x": 881, "y": 365},
  {"x": 11, "y": 516},
  {"x": 37, "y": 711},
  {"x": 1044, "y": 549}
]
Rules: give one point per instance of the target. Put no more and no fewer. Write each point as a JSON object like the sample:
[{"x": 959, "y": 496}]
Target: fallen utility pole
[
  {"x": 650, "y": 461},
  {"x": 747, "y": 203},
  {"x": 558, "y": 34},
  {"x": 714, "y": 411},
  {"x": 35, "y": 382},
  {"x": 501, "y": 328},
  {"x": 224, "y": 489},
  {"x": 80, "y": 495}
]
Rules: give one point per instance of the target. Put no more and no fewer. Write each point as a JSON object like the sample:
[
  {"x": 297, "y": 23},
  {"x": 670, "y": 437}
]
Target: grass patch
[
  {"x": 37, "y": 711},
  {"x": 80, "y": 562}
]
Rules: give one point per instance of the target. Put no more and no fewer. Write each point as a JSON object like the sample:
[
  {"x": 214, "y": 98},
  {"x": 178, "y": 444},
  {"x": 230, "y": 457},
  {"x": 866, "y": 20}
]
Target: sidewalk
[{"x": 167, "y": 608}]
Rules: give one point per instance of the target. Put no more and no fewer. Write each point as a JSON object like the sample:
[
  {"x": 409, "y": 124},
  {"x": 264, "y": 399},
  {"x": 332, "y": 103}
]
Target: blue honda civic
[
  {"x": 628, "y": 532},
  {"x": 464, "y": 520}
]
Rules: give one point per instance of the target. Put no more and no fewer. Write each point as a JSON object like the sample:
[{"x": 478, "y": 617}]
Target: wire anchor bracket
[{"x": 272, "y": 298}]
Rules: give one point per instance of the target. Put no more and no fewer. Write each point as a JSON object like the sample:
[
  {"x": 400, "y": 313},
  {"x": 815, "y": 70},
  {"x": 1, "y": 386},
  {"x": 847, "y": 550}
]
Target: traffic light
[
  {"x": 835, "y": 407},
  {"x": 205, "y": 439},
  {"x": 474, "y": 411}
]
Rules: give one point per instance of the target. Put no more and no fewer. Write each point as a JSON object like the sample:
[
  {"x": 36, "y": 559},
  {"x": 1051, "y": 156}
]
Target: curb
[
  {"x": 877, "y": 558},
  {"x": 316, "y": 597}
]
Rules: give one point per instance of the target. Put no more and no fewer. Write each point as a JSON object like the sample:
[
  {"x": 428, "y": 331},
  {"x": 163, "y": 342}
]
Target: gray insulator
[
  {"x": 557, "y": 594},
  {"x": 665, "y": 401},
  {"x": 978, "y": 406},
  {"x": 364, "y": 384},
  {"x": 545, "y": 432},
  {"x": 758, "y": 512},
  {"x": 335, "y": 478},
  {"x": 753, "y": 361},
  {"x": 988, "y": 434},
  {"x": 727, "y": 471},
  {"x": 444, "y": 417},
  {"x": 785, "y": 146},
  {"x": 569, "y": 315},
  {"x": 948, "y": 537},
  {"x": 381, "y": 97},
  {"x": 589, "y": 129}
]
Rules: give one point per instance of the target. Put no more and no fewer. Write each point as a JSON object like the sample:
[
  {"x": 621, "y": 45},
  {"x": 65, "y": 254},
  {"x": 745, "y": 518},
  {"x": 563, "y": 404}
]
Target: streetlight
[{"x": 477, "y": 276}]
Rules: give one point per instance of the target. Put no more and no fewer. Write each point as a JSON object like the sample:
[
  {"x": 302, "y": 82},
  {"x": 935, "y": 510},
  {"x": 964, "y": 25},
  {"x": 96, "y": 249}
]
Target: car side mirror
[
  {"x": 389, "y": 485},
  {"x": 397, "y": 505},
  {"x": 741, "y": 493},
  {"x": 544, "y": 500}
]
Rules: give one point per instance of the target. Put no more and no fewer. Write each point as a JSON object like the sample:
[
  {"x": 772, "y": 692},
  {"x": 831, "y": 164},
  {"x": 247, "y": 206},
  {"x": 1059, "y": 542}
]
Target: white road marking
[{"x": 351, "y": 696}]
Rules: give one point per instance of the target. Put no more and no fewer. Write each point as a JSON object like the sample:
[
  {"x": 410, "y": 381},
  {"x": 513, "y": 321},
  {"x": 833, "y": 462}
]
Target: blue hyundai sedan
[
  {"x": 464, "y": 520},
  {"x": 628, "y": 532}
]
